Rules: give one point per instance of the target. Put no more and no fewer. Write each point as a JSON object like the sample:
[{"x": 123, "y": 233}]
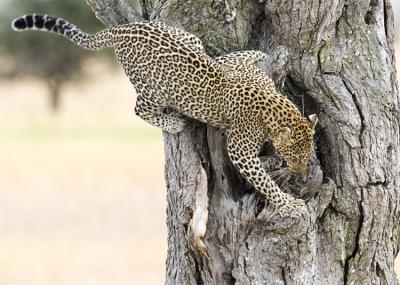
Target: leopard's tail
[{"x": 64, "y": 28}]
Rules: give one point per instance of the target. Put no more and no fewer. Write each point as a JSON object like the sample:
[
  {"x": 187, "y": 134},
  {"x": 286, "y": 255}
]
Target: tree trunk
[{"x": 334, "y": 58}]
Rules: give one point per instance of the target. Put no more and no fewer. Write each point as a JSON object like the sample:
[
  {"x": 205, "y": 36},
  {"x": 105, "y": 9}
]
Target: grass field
[{"x": 82, "y": 196}]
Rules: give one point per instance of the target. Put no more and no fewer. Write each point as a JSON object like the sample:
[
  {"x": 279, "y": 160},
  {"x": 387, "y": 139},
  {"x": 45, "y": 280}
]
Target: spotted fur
[{"x": 169, "y": 68}]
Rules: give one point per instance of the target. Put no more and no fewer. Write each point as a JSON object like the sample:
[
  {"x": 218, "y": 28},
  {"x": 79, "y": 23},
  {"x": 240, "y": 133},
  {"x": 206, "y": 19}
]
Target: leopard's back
[{"x": 170, "y": 67}]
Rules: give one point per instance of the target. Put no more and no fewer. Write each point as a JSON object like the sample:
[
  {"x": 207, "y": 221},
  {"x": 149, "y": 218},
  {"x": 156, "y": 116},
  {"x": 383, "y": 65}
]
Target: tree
[
  {"x": 334, "y": 58},
  {"x": 41, "y": 55}
]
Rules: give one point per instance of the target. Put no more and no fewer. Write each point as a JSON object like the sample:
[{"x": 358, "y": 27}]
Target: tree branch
[{"x": 114, "y": 12}]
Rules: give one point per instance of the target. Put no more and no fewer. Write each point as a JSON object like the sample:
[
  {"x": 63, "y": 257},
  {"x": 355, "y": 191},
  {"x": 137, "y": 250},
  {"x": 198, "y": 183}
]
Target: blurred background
[{"x": 82, "y": 193}]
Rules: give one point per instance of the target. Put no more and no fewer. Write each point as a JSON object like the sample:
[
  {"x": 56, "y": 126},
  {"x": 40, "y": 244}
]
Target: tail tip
[{"x": 18, "y": 24}]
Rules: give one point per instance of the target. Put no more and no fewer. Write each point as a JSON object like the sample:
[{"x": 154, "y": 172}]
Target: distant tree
[{"x": 41, "y": 55}]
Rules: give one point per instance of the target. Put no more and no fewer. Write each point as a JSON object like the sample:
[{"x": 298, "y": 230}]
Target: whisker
[
  {"x": 279, "y": 176},
  {"x": 276, "y": 175},
  {"x": 283, "y": 175},
  {"x": 287, "y": 174},
  {"x": 277, "y": 172},
  {"x": 286, "y": 179}
]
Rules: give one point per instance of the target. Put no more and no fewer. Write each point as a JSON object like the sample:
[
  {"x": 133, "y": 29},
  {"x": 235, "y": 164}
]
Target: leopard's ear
[
  {"x": 285, "y": 134},
  {"x": 313, "y": 120}
]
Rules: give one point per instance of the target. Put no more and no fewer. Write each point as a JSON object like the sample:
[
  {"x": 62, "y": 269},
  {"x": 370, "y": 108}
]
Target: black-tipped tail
[
  {"x": 41, "y": 22},
  {"x": 19, "y": 24},
  {"x": 64, "y": 28}
]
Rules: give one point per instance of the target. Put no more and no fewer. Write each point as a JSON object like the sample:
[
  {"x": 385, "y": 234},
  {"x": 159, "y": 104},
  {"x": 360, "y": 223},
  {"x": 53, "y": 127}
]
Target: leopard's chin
[{"x": 297, "y": 168}]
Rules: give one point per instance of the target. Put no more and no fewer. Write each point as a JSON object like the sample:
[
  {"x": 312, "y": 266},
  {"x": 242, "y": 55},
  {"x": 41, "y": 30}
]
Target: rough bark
[{"x": 331, "y": 57}]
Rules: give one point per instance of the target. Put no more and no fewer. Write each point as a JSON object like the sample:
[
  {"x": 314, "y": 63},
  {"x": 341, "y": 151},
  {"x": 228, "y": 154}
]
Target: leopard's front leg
[{"x": 244, "y": 142}]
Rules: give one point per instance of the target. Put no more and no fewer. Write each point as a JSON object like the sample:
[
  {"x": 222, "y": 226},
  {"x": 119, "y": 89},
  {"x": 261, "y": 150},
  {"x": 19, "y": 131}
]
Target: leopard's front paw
[
  {"x": 289, "y": 206},
  {"x": 177, "y": 126}
]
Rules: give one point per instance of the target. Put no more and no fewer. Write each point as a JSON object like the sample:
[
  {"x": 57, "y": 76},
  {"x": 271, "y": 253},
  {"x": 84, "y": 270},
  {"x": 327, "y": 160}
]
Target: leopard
[{"x": 171, "y": 70}]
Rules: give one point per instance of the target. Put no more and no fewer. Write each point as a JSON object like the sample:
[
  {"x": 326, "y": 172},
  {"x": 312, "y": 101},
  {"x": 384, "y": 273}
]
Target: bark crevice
[
  {"x": 352, "y": 256},
  {"x": 359, "y": 110}
]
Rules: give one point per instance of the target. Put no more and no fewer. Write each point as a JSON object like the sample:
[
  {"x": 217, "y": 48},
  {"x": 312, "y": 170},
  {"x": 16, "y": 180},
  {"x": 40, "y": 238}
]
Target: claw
[{"x": 291, "y": 207}]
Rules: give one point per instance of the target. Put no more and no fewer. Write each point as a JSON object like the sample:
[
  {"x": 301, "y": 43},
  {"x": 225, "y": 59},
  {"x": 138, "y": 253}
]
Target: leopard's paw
[
  {"x": 289, "y": 206},
  {"x": 177, "y": 126}
]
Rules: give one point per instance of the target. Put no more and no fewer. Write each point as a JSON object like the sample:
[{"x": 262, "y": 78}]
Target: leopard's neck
[{"x": 278, "y": 112}]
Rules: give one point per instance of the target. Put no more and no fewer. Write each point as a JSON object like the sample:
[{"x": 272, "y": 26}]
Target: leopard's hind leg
[{"x": 152, "y": 113}]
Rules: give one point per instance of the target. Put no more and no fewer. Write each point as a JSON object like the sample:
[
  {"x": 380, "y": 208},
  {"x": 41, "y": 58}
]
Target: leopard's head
[{"x": 296, "y": 143}]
